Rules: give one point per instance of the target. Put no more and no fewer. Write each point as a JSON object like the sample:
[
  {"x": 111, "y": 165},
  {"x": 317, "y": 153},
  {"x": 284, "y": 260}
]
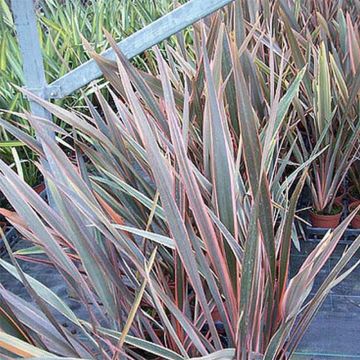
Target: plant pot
[
  {"x": 355, "y": 203},
  {"x": 352, "y": 196},
  {"x": 355, "y": 222},
  {"x": 39, "y": 188},
  {"x": 325, "y": 221}
]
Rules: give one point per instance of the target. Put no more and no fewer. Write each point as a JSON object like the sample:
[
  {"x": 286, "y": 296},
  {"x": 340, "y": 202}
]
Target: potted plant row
[
  {"x": 329, "y": 216},
  {"x": 333, "y": 145}
]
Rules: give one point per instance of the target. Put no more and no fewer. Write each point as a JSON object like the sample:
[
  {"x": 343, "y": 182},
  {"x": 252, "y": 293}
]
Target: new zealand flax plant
[
  {"x": 331, "y": 91},
  {"x": 337, "y": 131},
  {"x": 176, "y": 216}
]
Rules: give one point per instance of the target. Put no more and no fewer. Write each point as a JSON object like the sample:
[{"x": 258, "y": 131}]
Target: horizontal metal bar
[{"x": 135, "y": 44}]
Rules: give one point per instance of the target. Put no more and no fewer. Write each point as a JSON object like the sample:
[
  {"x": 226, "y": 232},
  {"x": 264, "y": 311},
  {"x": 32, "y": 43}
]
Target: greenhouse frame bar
[
  {"x": 33, "y": 65},
  {"x": 159, "y": 30}
]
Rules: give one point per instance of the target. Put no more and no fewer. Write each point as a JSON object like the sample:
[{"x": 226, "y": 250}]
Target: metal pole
[{"x": 33, "y": 66}]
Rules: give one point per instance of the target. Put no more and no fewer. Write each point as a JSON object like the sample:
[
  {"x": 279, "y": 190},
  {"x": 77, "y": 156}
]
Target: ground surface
[{"x": 334, "y": 333}]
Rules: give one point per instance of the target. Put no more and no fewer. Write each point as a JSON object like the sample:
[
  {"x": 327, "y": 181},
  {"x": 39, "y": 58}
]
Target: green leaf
[
  {"x": 21, "y": 348},
  {"x": 139, "y": 343},
  {"x": 33, "y": 250},
  {"x": 157, "y": 238},
  {"x": 227, "y": 354},
  {"x": 6, "y": 11},
  {"x": 323, "y": 105},
  {"x": 10, "y": 144}
]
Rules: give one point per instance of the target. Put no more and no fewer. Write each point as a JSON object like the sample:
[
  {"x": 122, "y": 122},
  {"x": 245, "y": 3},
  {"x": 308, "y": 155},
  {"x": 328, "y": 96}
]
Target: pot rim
[
  {"x": 353, "y": 205},
  {"x": 328, "y": 216}
]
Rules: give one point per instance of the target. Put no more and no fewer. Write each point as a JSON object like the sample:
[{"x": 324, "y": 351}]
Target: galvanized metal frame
[
  {"x": 28, "y": 38},
  {"x": 159, "y": 30},
  {"x": 33, "y": 65},
  {"x": 137, "y": 43}
]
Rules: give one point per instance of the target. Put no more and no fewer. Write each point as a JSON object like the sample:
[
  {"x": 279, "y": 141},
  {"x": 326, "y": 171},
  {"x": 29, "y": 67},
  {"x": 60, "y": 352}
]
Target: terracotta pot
[
  {"x": 325, "y": 221},
  {"x": 355, "y": 203},
  {"x": 355, "y": 223},
  {"x": 352, "y": 198},
  {"x": 39, "y": 188}
]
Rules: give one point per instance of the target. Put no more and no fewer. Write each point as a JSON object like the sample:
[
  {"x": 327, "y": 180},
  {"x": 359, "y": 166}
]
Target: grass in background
[{"x": 60, "y": 25}]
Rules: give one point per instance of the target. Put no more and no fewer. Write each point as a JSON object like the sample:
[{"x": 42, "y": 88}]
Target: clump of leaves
[
  {"x": 176, "y": 214},
  {"x": 331, "y": 83}
]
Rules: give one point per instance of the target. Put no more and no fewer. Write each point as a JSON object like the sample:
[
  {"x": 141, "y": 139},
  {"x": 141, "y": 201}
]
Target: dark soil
[{"x": 334, "y": 210}]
